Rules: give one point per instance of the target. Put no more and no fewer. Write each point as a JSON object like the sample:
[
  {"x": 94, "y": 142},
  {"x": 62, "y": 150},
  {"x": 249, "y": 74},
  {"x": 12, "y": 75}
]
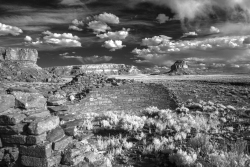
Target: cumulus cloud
[
  {"x": 189, "y": 34},
  {"x": 108, "y": 18},
  {"x": 77, "y": 22},
  {"x": 214, "y": 30},
  {"x": 50, "y": 35},
  {"x": 62, "y": 40},
  {"x": 7, "y": 29},
  {"x": 98, "y": 26},
  {"x": 113, "y": 45},
  {"x": 64, "y": 54},
  {"x": 72, "y": 27},
  {"x": 118, "y": 35},
  {"x": 162, "y": 18},
  {"x": 28, "y": 38},
  {"x": 96, "y": 59},
  {"x": 156, "y": 40},
  {"x": 71, "y": 57}
]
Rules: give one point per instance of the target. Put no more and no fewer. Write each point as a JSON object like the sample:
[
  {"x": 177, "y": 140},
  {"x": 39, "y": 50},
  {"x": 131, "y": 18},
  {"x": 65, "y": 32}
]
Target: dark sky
[{"x": 208, "y": 34}]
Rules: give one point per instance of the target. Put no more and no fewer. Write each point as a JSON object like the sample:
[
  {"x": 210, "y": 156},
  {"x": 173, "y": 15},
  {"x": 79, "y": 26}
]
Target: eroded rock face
[
  {"x": 18, "y": 54},
  {"x": 180, "y": 67},
  {"x": 108, "y": 69}
]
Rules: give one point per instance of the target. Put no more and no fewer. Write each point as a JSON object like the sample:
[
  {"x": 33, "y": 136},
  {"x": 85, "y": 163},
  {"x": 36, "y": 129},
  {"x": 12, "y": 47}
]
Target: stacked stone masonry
[{"x": 31, "y": 137}]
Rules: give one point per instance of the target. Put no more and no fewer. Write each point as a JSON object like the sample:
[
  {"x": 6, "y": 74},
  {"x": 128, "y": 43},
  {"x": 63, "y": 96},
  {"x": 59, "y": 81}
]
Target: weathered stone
[
  {"x": 41, "y": 162},
  {"x": 11, "y": 117},
  {"x": 91, "y": 156},
  {"x": 43, "y": 150},
  {"x": 22, "y": 89},
  {"x": 2, "y": 150},
  {"x": 40, "y": 126},
  {"x": 12, "y": 130},
  {"x": 32, "y": 140},
  {"x": 70, "y": 131},
  {"x": 58, "y": 108},
  {"x": 55, "y": 134},
  {"x": 62, "y": 144},
  {"x": 30, "y": 100},
  {"x": 72, "y": 157},
  {"x": 14, "y": 139},
  {"x": 40, "y": 114},
  {"x": 56, "y": 102},
  {"x": 6, "y": 102},
  {"x": 10, "y": 156}
]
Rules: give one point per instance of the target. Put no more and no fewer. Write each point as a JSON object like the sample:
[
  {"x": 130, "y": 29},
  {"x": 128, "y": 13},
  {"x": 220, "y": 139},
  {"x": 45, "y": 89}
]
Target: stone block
[
  {"x": 32, "y": 139},
  {"x": 70, "y": 131},
  {"x": 40, "y": 126},
  {"x": 40, "y": 114},
  {"x": 30, "y": 100},
  {"x": 56, "y": 109},
  {"x": 62, "y": 144},
  {"x": 6, "y": 102},
  {"x": 40, "y": 162},
  {"x": 55, "y": 134},
  {"x": 14, "y": 139},
  {"x": 12, "y": 130},
  {"x": 11, "y": 117},
  {"x": 43, "y": 150},
  {"x": 73, "y": 157},
  {"x": 57, "y": 102},
  {"x": 9, "y": 156}
]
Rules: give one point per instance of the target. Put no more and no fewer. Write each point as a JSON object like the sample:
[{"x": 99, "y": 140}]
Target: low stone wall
[{"x": 128, "y": 97}]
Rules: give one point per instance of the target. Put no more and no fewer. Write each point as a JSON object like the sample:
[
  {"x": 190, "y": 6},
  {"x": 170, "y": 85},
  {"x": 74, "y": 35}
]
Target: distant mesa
[{"x": 106, "y": 69}]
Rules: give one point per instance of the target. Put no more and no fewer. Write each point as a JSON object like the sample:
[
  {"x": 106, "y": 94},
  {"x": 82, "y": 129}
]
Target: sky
[{"x": 208, "y": 34}]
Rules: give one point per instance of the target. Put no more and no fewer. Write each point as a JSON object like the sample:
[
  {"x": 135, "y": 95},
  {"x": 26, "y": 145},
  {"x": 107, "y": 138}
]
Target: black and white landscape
[{"x": 122, "y": 83}]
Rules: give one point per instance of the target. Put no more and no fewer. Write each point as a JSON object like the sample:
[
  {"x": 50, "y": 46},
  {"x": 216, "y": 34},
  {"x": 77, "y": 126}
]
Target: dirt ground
[{"x": 225, "y": 89}]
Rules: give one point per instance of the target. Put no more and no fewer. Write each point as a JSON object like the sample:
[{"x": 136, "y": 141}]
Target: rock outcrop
[
  {"x": 107, "y": 69},
  {"x": 179, "y": 64},
  {"x": 19, "y": 64}
]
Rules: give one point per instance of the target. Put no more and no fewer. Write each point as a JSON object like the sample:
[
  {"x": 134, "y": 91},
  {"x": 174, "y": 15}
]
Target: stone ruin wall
[
  {"x": 131, "y": 97},
  {"x": 37, "y": 132}
]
